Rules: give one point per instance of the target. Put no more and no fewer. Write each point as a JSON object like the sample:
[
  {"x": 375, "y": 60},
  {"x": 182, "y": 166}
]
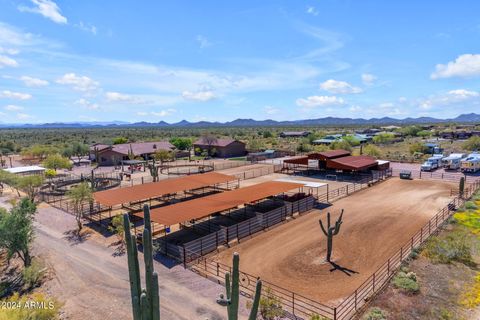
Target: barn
[{"x": 222, "y": 148}]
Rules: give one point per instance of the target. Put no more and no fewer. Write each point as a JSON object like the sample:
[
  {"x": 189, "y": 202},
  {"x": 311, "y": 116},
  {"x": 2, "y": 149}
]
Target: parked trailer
[
  {"x": 432, "y": 163},
  {"x": 453, "y": 161},
  {"x": 471, "y": 163}
]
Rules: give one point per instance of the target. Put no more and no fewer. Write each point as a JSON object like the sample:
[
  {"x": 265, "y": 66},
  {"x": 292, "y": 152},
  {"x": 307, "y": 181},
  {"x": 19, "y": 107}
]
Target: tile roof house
[
  {"x": 294, "y": 134},
  {"x": 220, "y": 147},
  {"x": 113, "y": 154}
]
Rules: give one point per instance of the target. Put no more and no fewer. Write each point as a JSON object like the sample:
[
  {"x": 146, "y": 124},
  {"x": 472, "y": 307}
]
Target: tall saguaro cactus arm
[
  {"x": 145, "y": 302},
  {"x": 330, "y": 231},
  {"x": 232, "y": 290}
]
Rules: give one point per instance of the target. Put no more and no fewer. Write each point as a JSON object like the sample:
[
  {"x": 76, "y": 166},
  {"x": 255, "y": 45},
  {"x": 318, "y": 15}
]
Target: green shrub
[
  {"x": 317, "y": 317},
  {"x": 407, "y": 282},
  {"x": 49, "y": 311},
  {"x": 33, "y": 275},
  {"x": 375, "y": 314},
  {"x": 456, "y": 246},
  {"x": 470, "y": 205}
]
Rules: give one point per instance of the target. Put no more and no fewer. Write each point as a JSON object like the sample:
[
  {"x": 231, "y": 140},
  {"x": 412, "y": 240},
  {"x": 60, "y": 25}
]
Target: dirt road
[{"x": 93, "y": 284}]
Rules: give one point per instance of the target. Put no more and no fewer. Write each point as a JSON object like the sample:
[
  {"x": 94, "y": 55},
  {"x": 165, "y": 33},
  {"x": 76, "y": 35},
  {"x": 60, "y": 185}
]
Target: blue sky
[{"x": 150, "y": 61}]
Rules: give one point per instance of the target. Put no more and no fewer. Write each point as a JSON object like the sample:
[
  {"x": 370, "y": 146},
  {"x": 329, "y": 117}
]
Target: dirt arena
[{"x": 376, "y": 222}]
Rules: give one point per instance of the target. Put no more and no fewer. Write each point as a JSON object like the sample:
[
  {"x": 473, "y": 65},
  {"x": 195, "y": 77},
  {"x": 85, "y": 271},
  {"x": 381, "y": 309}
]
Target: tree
[
  {"x": 118, "y": 228},
  {"x": 371, "y": 150},
  {"x": 16, "y": 230},
  {"x": 39, "y": 151},
  {"x": 120, "y": 140},
  {"x": 56, "y": 161},
  {"x": 342, "y": 144},
  {"x": 417, "y": 148},
  {"x": 77, "y": 149},
  {"x": 424, "y": 134},
  {"x": 80, "y": 194},
  {"x": 163, "y": 156},
  {"x": 383, "y": 138},
  {"x": 30, "y": 185},
  {"x": 210, "y": 141},
  {"x": 411, "y": 131},
  {"x": 182, "y": 143},
  {"x": 472, "y": 144},
  {"x": 351, "y": 140}
]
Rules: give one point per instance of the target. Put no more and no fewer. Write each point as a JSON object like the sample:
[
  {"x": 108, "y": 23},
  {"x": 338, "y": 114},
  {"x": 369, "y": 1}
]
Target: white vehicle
[
  {"x": 471, "y": 163},
  {"x": 453, "y": 161},
  {"x": 434, "y": 162}
]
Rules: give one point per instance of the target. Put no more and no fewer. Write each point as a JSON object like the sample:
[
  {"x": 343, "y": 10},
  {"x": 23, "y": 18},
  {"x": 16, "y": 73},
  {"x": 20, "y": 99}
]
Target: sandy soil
[
  {"x": 377, "y": 221},
  {"x": 93, "y": 283},
  {"x": 243, "y": 169}
]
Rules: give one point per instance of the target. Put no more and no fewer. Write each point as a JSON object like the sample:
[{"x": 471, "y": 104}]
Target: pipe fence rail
[{"x": 297, "y": 306}]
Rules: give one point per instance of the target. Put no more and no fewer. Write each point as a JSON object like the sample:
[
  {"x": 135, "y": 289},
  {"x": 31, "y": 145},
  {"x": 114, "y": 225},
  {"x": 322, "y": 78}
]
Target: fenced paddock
[{"x": 373, "y": 250}]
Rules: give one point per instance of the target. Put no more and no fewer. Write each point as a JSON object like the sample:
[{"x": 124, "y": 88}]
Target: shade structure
[
  {"x": 161, "y": 188},
  {"x": 356, "y": 163},
  {"x": 206, "y": 206}
]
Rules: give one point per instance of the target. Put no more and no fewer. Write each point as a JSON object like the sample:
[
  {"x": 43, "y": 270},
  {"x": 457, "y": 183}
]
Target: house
[
  {"x": 328, "y": 139},
  {"x": 471, "y": 164},
  {"x": 294, "y": 134},
  {"x": 369, "y": 131},
  {"x": 223, "y": 148},
  {"x": 433, "y": 148},
  {"x": 110, "y": 155}
]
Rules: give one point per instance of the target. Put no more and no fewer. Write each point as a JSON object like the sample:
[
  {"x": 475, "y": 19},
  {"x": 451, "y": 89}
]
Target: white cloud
[
  {"x": 339, "y": 87},
  {"x": 355, "y": 108},
  {"x": 87, "y": 27},
  {"x": 7, "y": 62},
  {"x": 312, "y": 10},
  {"x": 123, "y": 98},
  {"x": 24, "y": 116},
  {"x": 319, "y": 101},
  {"x": 368, "y": 78},
  {"x": 79, "y": 83},
  {"x": 271, "y": 110},
  {"x": 87, "y": 104},
  {"x": 12, "y": 107},
  {"x": 203, "y": 41},
  {"x": 9, "y": 51},
  {"x": 466, "y": 65},
  {"x": 46, "y": 8},
  {"x": 452, "y": 97},
  {"x": 34, "y": 82},
  {"x": 15, "y": 95},
  {"x": 142, "y": 113},
  {"x": 163, "y": 113},
  {"x": 199, "y": 95}
]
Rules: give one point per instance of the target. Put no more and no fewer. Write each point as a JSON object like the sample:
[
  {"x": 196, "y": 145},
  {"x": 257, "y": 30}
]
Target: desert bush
[
  {"x": 270, "y": 306},
  {"x": 471, "y": 297},
  {"x": 33, "y": 275},
  {"x": 470, "y": 205},
  {"x": 456, "y": 246},
  {"x": 45, "y": 308},
  {"x": 407, "y": 282},
  {"x": 375, "y": 313},
  {"x": 317, "y": 317}
]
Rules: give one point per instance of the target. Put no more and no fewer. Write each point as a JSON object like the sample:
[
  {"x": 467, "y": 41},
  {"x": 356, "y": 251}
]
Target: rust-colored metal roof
[
  {"x": 333, "y": 154},
  {"x": 205, "y": 206},
  {"x": 157, "y": 189},
  {"x": 352, "y": 163},
  {"x": 297, "y": 160}
]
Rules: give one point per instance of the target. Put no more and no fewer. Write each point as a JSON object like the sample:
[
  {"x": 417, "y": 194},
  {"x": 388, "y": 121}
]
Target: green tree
[
  {"x": 118, "y": 228},
  {"x": 30, "y": 185},
  {"x": 472, "y": 144},
  {"x": 411, "y": 131},
  {"x": 76, "y": 149},
  {"x": 182, "y": 143},
  {"x": 16, "y": 230},
  {"x": 79, "y": 195},
  {"x": 341, "y": 144},
  {"x": 351, "y": 140},
  {"x": 417, "y": 148},
  {"x": 383, "y": 138},
  {"x": 120, "y": 140},
  {"x": 163, "y": 156},
  {"x": 56, "y": 161},
  {"x": 371, "y": 150},
  {"x": 424, "y": 134},
  {"x": 267, "y": 134}
]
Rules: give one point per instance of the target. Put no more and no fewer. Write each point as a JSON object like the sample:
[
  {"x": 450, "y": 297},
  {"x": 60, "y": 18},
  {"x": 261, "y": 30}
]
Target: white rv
[
  {"x": 432, "y": 163},
  {"x": 471, "y": 163},
  {"x": 453, "y": 161}
]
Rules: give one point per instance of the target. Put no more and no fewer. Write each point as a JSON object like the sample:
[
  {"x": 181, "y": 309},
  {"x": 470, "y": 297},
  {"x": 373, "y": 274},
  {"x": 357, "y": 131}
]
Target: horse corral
[{"x": 377, "y": 221}]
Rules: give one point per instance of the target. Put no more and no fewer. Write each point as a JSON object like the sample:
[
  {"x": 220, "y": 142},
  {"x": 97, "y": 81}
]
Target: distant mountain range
[{"x": 328, "y": 121}]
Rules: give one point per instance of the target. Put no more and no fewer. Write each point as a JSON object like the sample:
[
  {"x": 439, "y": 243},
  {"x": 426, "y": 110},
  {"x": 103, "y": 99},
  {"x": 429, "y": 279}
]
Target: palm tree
[{"x": 79, "y": 195}]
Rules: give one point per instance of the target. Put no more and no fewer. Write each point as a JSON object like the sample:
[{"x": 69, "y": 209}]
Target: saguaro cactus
[
  {"x": 232, "y": 289},
  {"x": 330, "y": 232},
  {"x": 145, "y": 302},
  {"x": 461, "y": 186},
  {"x": 153, "y": 171}
]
